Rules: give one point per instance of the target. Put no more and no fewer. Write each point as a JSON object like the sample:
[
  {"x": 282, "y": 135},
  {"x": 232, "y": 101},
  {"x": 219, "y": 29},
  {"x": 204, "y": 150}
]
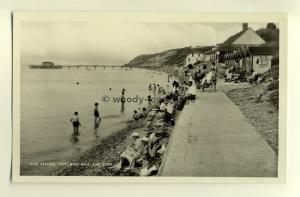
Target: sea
[{"x": 50, "y": 97}]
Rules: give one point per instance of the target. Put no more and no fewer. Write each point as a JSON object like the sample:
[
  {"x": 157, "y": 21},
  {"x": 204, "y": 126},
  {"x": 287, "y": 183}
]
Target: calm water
[{"x": 50, "y": 97}]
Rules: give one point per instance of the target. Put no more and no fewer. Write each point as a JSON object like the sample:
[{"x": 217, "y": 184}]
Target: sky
[{"x": 73, "y": 43}]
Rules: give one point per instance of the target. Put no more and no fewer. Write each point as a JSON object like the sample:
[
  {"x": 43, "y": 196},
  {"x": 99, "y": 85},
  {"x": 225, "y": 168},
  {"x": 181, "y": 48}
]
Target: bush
[
  {"x": 275, "y": 67},
  {"x": 273, "y": 85},
  {"x": 274, "y": 98},
  {"x": 275, "y": 72},
  {"x": 275, "y": 60}
]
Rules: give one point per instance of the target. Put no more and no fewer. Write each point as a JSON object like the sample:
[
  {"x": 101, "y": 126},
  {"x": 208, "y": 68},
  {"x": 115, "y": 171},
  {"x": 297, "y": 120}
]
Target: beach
[{"x": 46, "y": 114}]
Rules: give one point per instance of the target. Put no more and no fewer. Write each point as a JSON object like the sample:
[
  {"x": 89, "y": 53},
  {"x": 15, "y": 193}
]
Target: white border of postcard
[{"x": 280, "y": 18}]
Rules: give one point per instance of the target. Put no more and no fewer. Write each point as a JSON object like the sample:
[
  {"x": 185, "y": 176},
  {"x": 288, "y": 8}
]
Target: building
[
  {"x": 245, "y": 50},
  {"x": 212, "y": 55},
  {"x": 198, "y": 55},
  {"x": 258, "y": 59},
  {"x": 193, "y": 58},
  {"x": 47, "y": 64}
]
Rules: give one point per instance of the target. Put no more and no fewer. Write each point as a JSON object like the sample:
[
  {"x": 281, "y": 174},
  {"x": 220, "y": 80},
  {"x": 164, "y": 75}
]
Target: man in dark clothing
[{"x": 96, "y": 116}]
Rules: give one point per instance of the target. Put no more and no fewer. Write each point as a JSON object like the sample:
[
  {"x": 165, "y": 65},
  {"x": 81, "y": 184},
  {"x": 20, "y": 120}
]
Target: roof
[
  {"x": 261, "y": 50},
  {"x": 232, "y": 38},
  {"x": 228, "y": 48},
  {"x": 229, "y": 44},
  {"x": 250, "y": 51}
]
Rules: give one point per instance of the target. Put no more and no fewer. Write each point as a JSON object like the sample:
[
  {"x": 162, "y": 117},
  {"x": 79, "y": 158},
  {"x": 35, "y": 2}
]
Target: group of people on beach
[
  {"x": 169, "y": 98},
  {"x": 158, "y": 117}
]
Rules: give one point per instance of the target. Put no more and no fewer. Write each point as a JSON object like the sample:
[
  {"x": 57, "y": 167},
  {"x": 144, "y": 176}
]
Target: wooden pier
[
  {"x": 95, "y": 67},
  {"x": 86, "y": 67}
]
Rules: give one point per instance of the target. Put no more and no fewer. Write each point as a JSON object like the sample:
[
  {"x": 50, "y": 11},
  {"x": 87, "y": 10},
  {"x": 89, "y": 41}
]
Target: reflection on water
[
  {"x": 74, "y": 139},
  {"x": 96, "y": 134},
  {"x": 97, "y": 123},
  {"x": 122, "y": 108},
  {"x": 96, "y": 127}
]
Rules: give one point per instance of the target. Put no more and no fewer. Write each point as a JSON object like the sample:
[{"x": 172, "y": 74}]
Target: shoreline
[
  {"x": 104, "y": 154},
  {"x": 99, "y": 160}
]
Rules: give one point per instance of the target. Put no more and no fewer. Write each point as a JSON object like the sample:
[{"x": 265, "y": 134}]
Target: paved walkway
[{"x": 213, "y": 139}]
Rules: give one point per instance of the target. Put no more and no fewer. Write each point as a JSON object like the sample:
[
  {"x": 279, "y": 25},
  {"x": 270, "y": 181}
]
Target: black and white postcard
[{"x": 149, "y": 97}]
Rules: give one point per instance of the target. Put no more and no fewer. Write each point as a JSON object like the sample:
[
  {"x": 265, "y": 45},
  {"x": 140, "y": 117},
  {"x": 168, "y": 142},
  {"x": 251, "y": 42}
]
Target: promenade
[{"x": 212, "y": 138}]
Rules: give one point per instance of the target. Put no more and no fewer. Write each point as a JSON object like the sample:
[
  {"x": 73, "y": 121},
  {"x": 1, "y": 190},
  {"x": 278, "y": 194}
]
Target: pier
[
  {"x": 96, "y": 67},
  {"x": 86, "y": 67}
]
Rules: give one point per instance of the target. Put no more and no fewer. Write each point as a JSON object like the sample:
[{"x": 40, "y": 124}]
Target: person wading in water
[
  {"x": 96, "y": 116},
  {"x": 76, "y": 123},
  {"x": 123, "y": 99}
]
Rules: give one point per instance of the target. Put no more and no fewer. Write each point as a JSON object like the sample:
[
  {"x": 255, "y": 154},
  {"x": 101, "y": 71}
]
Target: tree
[
  {"x": 271, "y": 26},
  {"x": 270, "y": 33}
]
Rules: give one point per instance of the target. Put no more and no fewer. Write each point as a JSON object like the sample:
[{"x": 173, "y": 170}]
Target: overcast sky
[{"x": 115, "y": 43}]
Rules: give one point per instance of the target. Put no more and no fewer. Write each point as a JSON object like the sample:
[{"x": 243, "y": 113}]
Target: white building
[
  {"x": 244, "y": 49},
  {"x": 193, "y": 58}
]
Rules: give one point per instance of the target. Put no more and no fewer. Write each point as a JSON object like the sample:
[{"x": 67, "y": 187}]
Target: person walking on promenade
[
  {"x": 76, "y": 123},
  {"x": 213, "y": 79}
]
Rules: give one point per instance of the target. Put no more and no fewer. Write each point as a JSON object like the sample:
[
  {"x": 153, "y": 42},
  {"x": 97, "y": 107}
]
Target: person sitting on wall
[
  {"x": 191, "y": 91},
  {"x": 163, "y": 105},
  {"x": 169, "y": 109},
  {"x": 254, "y": 76},
  {"x": 128, "y": 157},
  {"x": 144, "y": 112},
  {"x": 135, "y": 115},
  {"x": 190, "y": 94}
]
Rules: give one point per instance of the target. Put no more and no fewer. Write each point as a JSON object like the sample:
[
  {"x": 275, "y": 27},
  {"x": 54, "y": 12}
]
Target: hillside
[{"x": 169, "y": 57}]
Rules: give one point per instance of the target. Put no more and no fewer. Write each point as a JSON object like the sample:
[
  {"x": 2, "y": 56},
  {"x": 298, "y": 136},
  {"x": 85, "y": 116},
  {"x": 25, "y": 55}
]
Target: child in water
[{"x": 76, "y": 123}]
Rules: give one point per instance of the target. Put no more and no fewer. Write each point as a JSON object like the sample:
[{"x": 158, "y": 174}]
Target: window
[
  {"x": 189, "y": 59},
  {"x": 262, "y": 60}
]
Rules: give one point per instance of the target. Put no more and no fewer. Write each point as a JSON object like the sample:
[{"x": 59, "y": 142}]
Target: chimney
[{"x": 245, "y": 26}]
